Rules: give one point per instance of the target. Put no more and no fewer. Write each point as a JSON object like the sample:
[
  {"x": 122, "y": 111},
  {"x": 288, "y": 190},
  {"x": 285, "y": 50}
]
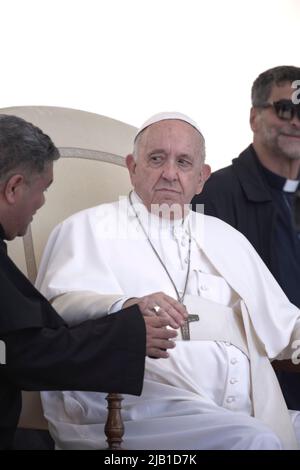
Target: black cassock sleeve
[
  {"x": 42, "y": 353},
  {"x": 106, "y": 355}
]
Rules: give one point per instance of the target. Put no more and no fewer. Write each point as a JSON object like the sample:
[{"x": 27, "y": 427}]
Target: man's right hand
[
  {"x": 168, "y": 308},
  {"x": 158, "y": 337}
]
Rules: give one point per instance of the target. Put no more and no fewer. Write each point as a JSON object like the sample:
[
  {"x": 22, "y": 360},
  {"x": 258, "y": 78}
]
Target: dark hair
[
  {"x": 23, "y": 146},
  {"x": 262, "y": 86}
]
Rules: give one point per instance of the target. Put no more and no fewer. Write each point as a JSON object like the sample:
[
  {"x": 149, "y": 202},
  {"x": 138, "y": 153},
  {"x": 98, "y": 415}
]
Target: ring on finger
[{"x": 156, "y": 308}]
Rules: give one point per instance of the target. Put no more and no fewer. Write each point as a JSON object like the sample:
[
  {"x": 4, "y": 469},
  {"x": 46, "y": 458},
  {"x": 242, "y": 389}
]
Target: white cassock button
[
  {"x": 186, "y": 260},
  {"x": 183, "y": 242},
  {"x": 233, "y": 360},
  {"x": 203, "y": 287},
  {"x": 230, "y": 399},
  {"x": 233, "y": 381}
]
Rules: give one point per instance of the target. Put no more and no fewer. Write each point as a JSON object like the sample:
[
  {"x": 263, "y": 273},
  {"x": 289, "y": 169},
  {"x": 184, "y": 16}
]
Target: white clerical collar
[
  {"x": 290, "y": 186},
  {"x": 279, "y": 182},
  {"x": 154, "y": 222}
]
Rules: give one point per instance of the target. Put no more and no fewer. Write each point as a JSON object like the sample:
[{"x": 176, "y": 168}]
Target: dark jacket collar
[
  {"x": 251, "y": 176},
  {"x": 2, "y": 233},
  {"x": 2, "y": 237}
]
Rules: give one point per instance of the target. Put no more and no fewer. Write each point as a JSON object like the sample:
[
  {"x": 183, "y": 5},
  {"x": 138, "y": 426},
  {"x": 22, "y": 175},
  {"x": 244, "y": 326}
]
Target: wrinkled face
[
  {"x": 32, "y": 198},
  {"x": 168, "y": 167},
  {"x": 281, "y": 138}
]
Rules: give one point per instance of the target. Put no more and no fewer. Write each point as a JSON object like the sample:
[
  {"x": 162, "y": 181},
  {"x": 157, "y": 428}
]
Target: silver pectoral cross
[{"x": 185, "y": 328}]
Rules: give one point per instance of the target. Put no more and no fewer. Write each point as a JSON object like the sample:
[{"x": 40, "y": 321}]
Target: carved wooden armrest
[{"x": 114, "y": 427}]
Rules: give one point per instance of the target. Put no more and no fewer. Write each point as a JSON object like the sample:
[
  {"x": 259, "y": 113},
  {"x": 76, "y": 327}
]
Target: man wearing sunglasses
[{"x": 257, "y": 194}]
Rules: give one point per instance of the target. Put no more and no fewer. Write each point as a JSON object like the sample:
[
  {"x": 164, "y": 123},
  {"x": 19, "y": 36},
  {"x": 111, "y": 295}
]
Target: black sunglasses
[{"x": 284, "y": 109}]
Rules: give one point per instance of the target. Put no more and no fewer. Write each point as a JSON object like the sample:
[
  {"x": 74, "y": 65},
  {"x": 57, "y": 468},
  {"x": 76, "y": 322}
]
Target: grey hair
[
  {"x": 137, "y": 142},
  {"x": 262, "y": 86},
  {"x": 24, "y": 147}
]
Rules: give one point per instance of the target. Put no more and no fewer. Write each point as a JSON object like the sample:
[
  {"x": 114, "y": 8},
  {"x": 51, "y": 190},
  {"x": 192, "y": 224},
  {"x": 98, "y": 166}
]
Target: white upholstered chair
[{"x": 91, "y": 171}]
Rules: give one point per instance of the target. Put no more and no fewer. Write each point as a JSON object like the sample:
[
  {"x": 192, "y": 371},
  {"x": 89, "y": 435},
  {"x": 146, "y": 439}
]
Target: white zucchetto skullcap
[{"x": 166, "y": 116}]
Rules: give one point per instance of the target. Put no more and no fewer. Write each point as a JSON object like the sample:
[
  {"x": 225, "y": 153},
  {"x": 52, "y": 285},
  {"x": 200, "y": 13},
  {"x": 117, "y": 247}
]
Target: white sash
[{"x": 216, "y": 323}]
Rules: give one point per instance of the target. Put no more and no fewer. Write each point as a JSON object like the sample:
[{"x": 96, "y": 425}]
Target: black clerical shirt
[{"x": 285, "y": 241}]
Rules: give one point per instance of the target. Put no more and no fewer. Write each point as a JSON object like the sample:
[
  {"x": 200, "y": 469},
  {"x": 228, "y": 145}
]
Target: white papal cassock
[{"x": 202, "y": 396}]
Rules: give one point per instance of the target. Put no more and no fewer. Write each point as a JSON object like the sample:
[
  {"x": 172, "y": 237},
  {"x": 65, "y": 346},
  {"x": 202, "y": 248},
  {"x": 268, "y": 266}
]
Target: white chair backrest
[{"x": 91, "y": 171}]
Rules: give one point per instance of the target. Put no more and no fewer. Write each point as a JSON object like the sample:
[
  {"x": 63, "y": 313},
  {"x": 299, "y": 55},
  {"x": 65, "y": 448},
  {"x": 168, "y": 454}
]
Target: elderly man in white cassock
[{"x": 217, "y": 389}]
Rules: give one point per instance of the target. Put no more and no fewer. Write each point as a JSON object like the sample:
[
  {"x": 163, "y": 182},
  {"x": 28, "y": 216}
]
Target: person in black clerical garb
[
  {"x": 258, "y": 193},
  {"x": 38, "y": 350}
]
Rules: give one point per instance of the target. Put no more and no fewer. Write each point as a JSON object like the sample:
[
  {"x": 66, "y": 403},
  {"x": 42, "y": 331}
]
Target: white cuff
[{"x": 77, "y": 307}]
